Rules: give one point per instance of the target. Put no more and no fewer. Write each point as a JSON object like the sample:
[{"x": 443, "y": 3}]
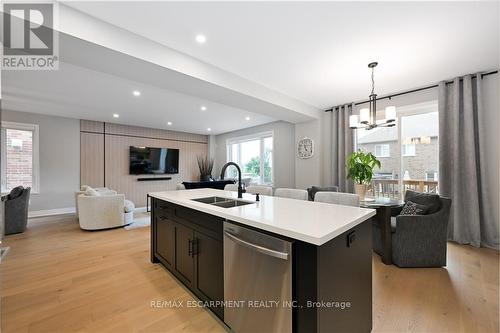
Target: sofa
[
  {"x": 16, "y": 210},
  {"x": 105, "y": 209},
  {"x": 419, "y": 240}
]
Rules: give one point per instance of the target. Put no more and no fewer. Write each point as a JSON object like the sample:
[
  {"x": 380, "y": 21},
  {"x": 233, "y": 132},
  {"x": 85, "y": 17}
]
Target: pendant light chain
[{"x": 367, "y": 118}]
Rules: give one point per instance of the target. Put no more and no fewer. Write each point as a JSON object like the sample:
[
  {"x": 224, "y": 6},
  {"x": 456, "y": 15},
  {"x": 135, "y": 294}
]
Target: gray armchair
[
  {"x": 420, "y": 240},
  {"x": 16, "y": 210},
  {"x": 311, "y": 191}
]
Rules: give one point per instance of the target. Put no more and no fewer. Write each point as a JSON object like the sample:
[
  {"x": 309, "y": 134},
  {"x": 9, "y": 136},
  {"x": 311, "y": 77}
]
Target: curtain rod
[{"x": 411, "y": 91}]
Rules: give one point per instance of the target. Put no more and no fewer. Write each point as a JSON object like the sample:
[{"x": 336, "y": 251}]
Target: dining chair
[
  {"x": 291, "y": 193},
  {"x": 338, "y": 198},
  {"x": 260, "y": 189}
]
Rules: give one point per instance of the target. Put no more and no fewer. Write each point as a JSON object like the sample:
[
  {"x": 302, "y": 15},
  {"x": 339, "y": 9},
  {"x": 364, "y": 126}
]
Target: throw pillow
[
  {"x": 430, "y": 200},
  {"x": 412, "y": 208},
  {"x": 91, "y": 192}
]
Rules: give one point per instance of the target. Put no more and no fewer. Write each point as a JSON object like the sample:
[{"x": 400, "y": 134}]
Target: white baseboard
[
  {"x": 67, "y": 210},
  {"x": 51, "y": 212},
  {"x": 140, "y": 210}
]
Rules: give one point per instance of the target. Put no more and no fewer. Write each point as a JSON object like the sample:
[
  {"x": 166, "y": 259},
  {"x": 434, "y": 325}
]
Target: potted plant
[
  {"x": 360, "y": 167},
  {"x": 205, "y": 165}
]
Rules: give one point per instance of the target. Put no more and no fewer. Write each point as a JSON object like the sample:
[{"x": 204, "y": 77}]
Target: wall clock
[{"x": 305, "y": 148}]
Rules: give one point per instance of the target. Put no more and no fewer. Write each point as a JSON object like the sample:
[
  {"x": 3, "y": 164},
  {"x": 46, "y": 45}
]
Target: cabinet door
[
  {"x": 209, "y": 269},
  {"x": 184, "y": 262},
  {"x": 165, "y": 240}
]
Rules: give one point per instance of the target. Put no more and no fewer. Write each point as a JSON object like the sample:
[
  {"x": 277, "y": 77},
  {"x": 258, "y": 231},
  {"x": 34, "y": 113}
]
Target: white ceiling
[
  {"x": 78, "y": 92},
  {"x": 317, "y": 52}
]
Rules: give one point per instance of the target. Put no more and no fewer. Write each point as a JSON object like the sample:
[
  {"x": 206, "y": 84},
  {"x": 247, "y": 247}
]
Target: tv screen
[{"x": 156, "y": 161}]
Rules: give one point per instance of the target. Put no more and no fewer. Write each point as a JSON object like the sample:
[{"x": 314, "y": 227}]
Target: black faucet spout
[{"x": 223, "y": 171}]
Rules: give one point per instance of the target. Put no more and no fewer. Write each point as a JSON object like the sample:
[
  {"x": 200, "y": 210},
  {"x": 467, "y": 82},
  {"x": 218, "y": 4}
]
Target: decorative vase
[
  {"x": 205, "y": 178},
  {"x": 360, "y": 190}
]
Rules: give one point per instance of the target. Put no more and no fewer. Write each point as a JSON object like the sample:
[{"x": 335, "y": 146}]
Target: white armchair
[
  {"x": 85, "y": 190},
  {"x": 104, "y": 211}
]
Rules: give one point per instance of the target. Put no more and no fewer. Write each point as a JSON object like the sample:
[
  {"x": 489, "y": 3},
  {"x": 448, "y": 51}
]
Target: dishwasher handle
[{"x": 261, "y": 249}]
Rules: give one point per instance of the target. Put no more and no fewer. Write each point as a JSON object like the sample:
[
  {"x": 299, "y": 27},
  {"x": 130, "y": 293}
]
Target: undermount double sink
[{"x": 222, "y": 202}]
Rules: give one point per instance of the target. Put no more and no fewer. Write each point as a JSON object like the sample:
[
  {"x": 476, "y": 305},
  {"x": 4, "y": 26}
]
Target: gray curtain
[
  {"x": 461, "y": 175},
  {"x": 342, "y": 146}
]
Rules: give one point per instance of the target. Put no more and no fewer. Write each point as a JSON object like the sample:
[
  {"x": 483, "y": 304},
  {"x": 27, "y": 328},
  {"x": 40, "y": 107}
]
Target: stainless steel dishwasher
[{"x": 257, "y": 281}]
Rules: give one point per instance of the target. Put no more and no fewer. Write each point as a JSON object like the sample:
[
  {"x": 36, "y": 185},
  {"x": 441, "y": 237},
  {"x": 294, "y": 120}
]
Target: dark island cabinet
[
  {"x": 209, "y": 269},
  {"x": 184, "y": 257},
  {"x": 165, "y": 240},
  {"x": 189, "y": 244}
]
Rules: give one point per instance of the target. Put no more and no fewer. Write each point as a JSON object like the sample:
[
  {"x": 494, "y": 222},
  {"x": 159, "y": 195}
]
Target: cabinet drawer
[
  {"x": 163, "y": 208},
  {"x": 204, "y": 220}
]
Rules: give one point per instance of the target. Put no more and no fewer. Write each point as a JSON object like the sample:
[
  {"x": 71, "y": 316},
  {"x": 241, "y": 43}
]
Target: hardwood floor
[{"x": 58, "y": 278}]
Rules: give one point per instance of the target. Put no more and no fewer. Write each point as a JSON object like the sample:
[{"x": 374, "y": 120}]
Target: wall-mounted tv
[{"x": 153, "y": 161}]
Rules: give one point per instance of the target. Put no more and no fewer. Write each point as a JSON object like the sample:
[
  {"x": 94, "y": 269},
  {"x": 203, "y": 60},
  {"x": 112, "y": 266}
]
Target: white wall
[
  {"x": 284, "y": 158},
  {"x": 59, "y": 159}
]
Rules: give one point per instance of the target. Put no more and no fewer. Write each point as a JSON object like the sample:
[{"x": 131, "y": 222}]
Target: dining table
[{"x": 386, "y": 208}]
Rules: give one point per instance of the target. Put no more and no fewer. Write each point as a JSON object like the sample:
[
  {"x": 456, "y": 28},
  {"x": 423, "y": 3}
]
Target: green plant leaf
[{"x": 360, "y": 166}]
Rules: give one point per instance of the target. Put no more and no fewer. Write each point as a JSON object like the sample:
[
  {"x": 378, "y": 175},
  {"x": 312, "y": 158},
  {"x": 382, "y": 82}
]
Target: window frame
[
  {"x": 405, "y": 111},
  {"x": 406, "y": 154},
  {"x": 253, "y": 137},
  {"x": 382, "y": 145},
  {"x": 34, "y": 128}
]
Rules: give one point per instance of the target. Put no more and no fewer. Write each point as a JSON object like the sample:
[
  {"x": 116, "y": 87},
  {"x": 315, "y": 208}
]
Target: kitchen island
[{"x": 274, "y": 265}]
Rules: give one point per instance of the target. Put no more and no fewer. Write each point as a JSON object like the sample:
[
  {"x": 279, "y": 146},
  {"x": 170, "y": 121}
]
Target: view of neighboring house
[{"x": 408, "y": 151}]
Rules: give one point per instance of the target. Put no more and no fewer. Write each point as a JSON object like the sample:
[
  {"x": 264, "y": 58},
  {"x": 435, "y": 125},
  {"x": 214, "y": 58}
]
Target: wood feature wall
[
  {"x": 92, "y": 159},
  {"x": 105, "y": 157}
]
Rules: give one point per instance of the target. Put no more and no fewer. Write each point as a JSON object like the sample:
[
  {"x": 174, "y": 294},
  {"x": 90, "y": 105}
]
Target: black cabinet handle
[
  {"x": 190, "y": 247},
  {"x": 195, "y": 246}
]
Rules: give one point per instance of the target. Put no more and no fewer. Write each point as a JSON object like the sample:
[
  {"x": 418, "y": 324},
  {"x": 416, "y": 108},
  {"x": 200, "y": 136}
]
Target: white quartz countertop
[{"x": 311, "y": 222}]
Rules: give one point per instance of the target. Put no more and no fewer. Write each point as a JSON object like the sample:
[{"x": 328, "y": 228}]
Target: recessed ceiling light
[
  {"x": 169, "y": 123},
  {"x": 201, "y": 39},
  {"x": 247, "y": 118},
  {"x": 136, "y": 93},
  {"x": 116, "y": 115},
  {"x": 203, "y": 108},
  {"x": 209, "y": 129}
]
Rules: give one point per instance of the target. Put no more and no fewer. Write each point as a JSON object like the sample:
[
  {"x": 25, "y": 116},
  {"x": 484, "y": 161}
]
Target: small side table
[{"x": 384, "y": 207}]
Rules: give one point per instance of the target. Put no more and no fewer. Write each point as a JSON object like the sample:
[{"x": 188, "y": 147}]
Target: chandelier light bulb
[
  {"x": 390, "y": 113},
  {"x": 353, "y": 121},
  {"x": 364, "y": 115}
]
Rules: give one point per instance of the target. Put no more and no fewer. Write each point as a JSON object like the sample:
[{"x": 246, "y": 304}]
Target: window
[
  {"x": 382, "y": 150},
  {"x": 19, "y": 156},
  {"x": 431, "y": 175},
  {"x": 408, "y": 150},
  {"x": 254, "y": 154}
]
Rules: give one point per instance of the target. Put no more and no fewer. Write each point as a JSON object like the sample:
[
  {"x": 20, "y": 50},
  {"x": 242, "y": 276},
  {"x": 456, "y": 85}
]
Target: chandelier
[{"x": 367, "y": 118}]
